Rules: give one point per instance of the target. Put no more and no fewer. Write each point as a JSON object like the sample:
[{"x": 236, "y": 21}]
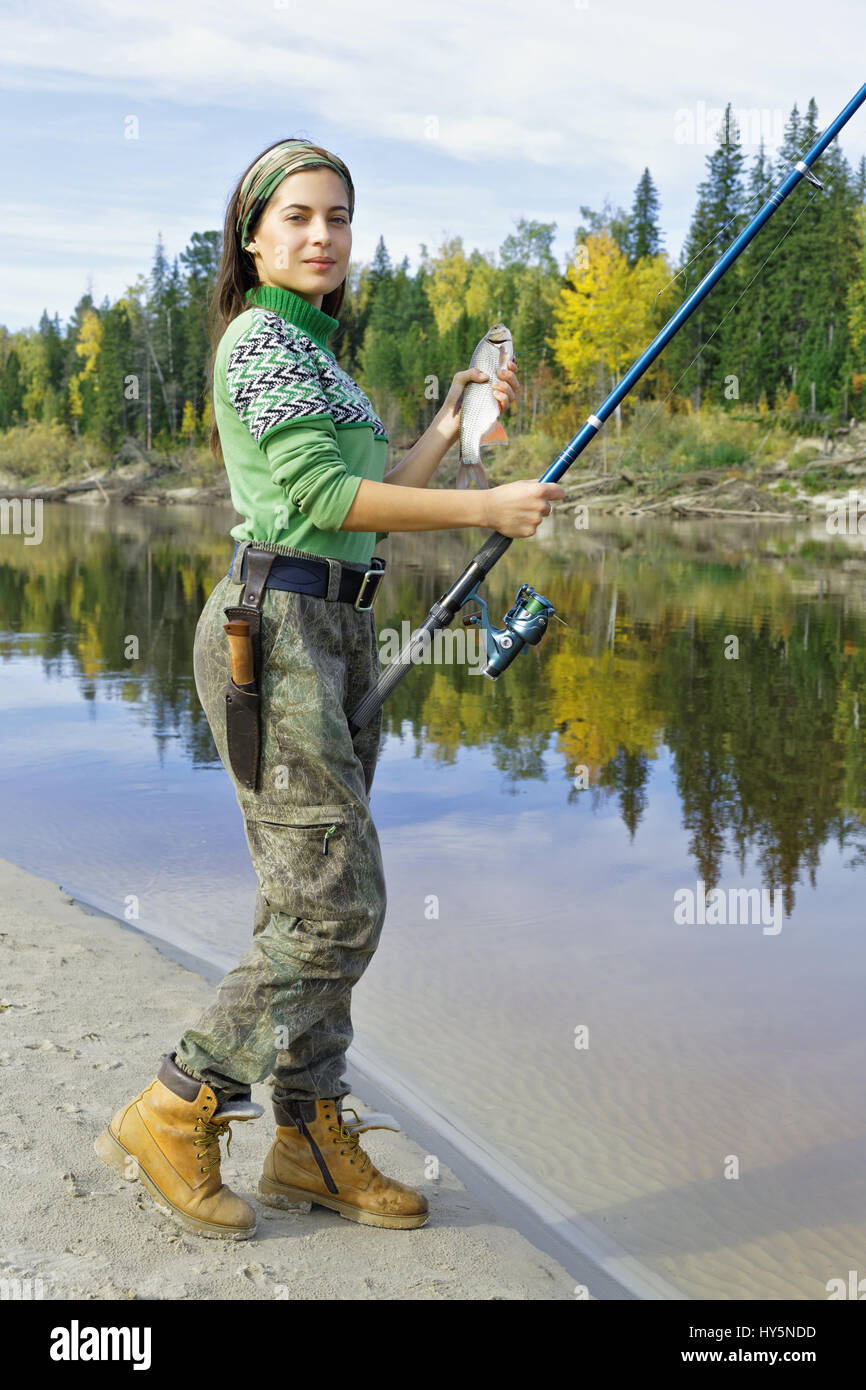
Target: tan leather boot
[
  {"x": 317, "y": 1157},
  {"x": 168, "y": 1138}
]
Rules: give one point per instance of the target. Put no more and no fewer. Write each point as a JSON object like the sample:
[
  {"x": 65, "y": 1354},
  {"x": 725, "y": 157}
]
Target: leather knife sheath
[{"x": 243, "y": 702}]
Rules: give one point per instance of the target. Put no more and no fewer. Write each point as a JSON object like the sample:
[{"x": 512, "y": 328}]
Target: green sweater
[{"x": 298, "y": 434}]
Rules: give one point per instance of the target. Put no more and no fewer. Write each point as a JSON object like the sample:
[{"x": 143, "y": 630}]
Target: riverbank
[
  {"x": 798, "y": 478},
  {"x": 87, "y": 1009}
]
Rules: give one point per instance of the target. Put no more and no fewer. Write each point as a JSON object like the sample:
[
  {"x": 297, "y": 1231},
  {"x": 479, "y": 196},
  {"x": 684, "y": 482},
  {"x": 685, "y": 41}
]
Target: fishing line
[
  {"x": 683, "y": 268},
  {"x": 754, "y": 198},
  {"x": 726, "y": 316}
]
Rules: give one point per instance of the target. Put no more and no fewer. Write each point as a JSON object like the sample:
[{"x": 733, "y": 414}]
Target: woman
[{"x": 305, "y": 455}]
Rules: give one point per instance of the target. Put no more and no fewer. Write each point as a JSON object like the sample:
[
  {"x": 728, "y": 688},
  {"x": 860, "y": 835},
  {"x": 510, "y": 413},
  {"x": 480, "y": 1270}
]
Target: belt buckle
[{"x": 365, "y": 607}]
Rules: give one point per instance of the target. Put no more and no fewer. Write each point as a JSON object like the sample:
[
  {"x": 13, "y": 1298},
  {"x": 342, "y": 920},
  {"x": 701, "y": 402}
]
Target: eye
[{"x": 298, "y": 217}]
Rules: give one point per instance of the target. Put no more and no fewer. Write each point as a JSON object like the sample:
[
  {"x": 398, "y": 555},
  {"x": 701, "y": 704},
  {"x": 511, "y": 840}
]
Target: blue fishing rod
[{"x": 526, "y": 621}]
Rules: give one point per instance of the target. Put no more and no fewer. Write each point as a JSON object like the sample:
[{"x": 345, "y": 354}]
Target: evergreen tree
[
  {"x": 201, "y": 265},
  {"x": 717, "y": 221},
  {"x": 830, "y": 272},
  {"x": 856, "y": 308},
  {"x": 358, "y": 304},
  {"x": 643, "y": 237},
  {"x": 175, "y": 329},
  {"x": 49, "y": 332},
  {"x": 421, "y": 352},
  {"x": 785, "y": 260},
  {"x": 346, "y": 342},
  {"x": 380, "y": 266},
  {"x": 11, "y": 392},
  {"x": 156, "y": 328},
  {"x": 628, "y": 775},
  {"x": 746, "y": 336},
  {"x": 115, "y": 416},
  {"x": 381, "y": 353},
  {"x": 200, "y": 262}
]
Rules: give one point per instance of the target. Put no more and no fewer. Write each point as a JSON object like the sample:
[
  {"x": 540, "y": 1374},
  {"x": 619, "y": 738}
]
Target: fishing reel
[{"x": 525, "y": 625}]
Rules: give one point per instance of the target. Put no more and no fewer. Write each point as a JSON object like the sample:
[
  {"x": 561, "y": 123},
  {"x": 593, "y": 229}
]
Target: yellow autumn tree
[
  {"x": 606, "y": 700},
  {"x": 34, "y": 369},
  {"x": 89, "y": 342},
  {"x": 448, "y": 280},
  {"x": 88, "y": 347},
  {"x": 605, "y": 315},
  {"x": 76, "y": 402},
  {"x": 188, "y": 423}
]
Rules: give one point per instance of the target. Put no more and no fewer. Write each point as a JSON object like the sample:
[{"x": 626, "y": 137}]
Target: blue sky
[{"x": 454, "y": 118}]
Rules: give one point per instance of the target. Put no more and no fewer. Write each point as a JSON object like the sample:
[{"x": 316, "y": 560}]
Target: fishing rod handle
[
  {"x": 411, "y": 653},
  {"x": 492, "y": 550},
  {"x": 440, "y": 615}
]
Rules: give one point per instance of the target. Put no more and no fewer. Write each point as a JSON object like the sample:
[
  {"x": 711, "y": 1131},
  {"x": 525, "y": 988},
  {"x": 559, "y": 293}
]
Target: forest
[{"x": 783, "y": 334}]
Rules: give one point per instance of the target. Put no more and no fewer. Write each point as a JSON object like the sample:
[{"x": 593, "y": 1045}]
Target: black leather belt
[{"x": 311, "y": 577}]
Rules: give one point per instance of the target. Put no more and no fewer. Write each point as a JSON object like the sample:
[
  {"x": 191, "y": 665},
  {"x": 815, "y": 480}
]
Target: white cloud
[
  {"x": 505, "y": 82},
  {"x": 540, "y": 109}
]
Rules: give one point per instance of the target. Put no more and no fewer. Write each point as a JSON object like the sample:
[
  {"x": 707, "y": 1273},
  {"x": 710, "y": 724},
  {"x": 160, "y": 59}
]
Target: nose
[{"x": 321, "y": 228}]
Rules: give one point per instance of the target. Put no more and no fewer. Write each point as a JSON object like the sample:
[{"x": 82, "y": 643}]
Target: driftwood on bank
[
  {"x": 597, "y": 482},
  {"x": 116, "y": 489},
  {"x": 757, "y": 515}
]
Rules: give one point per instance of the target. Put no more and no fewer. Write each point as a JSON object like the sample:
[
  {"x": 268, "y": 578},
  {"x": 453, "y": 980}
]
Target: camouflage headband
[{"x": 268, "y": 173}]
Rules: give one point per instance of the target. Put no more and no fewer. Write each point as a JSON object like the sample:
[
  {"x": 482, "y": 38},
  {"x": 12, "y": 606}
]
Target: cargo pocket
[{"x": 310, "y": 864}]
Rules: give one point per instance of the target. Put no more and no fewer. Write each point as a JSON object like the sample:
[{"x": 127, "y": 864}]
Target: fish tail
[
  {"x": 471, "y": 473},
  {"x": 479, "y": 475}
]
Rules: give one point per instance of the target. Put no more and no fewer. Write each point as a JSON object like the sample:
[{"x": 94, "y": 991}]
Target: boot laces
[
  {"x": 353, "y": 1141},
  {"x": 212, "y": 1132}
]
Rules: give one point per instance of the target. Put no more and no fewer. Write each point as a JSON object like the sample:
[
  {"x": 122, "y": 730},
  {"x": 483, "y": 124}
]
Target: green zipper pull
[{"x": 325, "y": 841}]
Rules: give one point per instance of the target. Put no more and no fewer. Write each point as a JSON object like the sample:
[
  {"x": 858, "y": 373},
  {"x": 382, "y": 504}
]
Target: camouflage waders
[{"x": 320, "y": 905}]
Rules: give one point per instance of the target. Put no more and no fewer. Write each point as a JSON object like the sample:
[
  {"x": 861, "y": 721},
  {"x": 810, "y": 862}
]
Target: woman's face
[{"x": 306, "y": 221}]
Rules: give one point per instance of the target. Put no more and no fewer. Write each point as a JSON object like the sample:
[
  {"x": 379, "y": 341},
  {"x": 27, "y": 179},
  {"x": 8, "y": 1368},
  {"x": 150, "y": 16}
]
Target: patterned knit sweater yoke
[{"x": 298, "y": 434}]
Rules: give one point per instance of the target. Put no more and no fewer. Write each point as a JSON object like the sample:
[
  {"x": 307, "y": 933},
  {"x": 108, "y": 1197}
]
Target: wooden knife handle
[{"x": 241, "y": 649}]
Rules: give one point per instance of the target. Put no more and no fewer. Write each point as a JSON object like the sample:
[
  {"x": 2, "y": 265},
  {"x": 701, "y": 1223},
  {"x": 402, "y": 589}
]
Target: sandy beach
[{"x": 86, "y": 1009}]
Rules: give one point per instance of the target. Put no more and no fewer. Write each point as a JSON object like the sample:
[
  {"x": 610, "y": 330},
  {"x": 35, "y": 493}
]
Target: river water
[{"x": 625, "y": 947}]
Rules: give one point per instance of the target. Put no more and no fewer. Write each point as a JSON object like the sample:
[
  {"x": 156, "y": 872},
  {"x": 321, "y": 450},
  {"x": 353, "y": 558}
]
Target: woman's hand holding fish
[
  {"x": 517, "y": 509},
  {"x": 505, "y": 388},
  {"x": 505, "y": 385}
]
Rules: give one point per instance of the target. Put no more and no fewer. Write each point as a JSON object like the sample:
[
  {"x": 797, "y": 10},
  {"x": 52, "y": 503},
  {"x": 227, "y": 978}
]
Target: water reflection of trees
[
  {"x": 768, "y": 749},
  {"x": 769, "y": 755}
]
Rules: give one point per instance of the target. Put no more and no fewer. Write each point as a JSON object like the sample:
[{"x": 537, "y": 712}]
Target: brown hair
[{"x": 237, "y": 274}]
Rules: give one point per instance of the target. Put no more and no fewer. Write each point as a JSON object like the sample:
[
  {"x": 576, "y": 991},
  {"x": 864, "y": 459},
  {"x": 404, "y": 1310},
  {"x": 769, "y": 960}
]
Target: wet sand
[{"x": 87, "y": 1008}]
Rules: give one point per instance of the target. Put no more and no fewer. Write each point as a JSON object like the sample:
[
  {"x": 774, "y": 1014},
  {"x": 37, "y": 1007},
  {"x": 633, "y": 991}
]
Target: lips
[{"x": 319, "y": 260}]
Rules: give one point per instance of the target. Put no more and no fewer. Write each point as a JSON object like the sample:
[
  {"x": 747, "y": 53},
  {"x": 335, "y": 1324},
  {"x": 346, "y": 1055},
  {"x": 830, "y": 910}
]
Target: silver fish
[{"x": 479, "y": 414}]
